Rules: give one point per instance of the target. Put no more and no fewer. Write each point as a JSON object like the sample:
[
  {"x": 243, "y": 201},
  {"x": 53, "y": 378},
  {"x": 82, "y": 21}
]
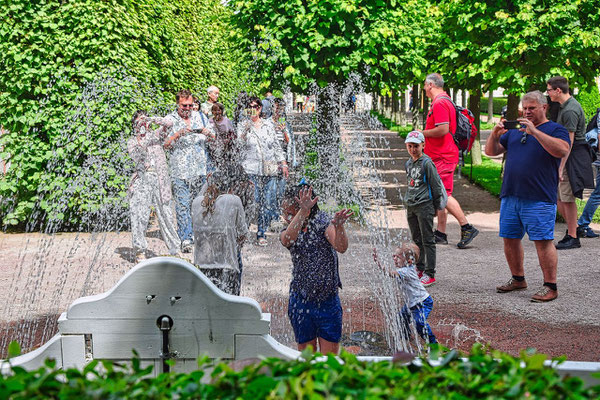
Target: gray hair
[
  {"x": 211, "y": 89},
  {"x": 536, "y": 96},
  {"x": 436, "y": 79}
]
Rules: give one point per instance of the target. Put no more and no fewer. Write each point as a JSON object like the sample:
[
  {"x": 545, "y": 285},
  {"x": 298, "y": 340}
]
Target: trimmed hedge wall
[
  {"x": 499, "y": 102},
  {"x": 73, "y": 73}
]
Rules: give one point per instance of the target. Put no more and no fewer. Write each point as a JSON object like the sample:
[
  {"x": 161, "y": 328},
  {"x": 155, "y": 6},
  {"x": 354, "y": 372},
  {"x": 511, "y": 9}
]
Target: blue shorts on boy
[
  {"x": 518, "y": 216},
  {"x": 311, "y": 319}
]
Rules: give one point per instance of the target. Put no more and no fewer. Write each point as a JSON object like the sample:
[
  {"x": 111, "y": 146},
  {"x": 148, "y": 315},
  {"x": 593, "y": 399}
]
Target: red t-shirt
[{"x": 441, "y": 148}]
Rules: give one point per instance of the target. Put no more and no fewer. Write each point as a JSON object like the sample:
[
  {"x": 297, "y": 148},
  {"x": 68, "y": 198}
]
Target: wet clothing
[
  {"x": 224, "y": 149},
  {"x": 187, "y": 165},
  {"x": 187, "y": 155},
  {"x": 530, "y": 172},
  {"x": 417, "y": 303},
  {"x": 311, "y": 319},
  {"x": 216, "y": 234},
  {"x": 150, "y": 187},
  {"x": 315, "y": 275},
  {"x": 261, "y": 149},
  {"x": 419, "y": 314}
]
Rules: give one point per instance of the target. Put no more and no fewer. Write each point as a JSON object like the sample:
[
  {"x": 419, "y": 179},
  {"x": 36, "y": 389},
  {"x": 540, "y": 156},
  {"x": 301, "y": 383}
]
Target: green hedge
[
  {"x": 73, "y": 73},
  {"x": 487, "y": 374},
  {"x": 499, "y": 102}
]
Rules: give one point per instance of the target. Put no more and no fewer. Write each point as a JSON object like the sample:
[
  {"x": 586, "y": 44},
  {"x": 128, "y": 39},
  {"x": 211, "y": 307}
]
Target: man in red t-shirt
[{"x": 440, "y": 146}]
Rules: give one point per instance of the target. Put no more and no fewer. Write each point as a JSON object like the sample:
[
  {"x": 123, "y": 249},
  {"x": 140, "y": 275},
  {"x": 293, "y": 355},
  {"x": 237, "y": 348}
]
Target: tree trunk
[
  {"x": 402, "y": 113},
  {"x": 395, "y": 106},
  {"x": 490, "y": 117},
  {"x": 463, "y": 99},
  {"x": 512, "y": 107},
  {"x": 415, "y": 107},
  {"x": 454, "y": 95},
  {"x": 475, "y": 107},
  {"x": 425, "y": 107}
]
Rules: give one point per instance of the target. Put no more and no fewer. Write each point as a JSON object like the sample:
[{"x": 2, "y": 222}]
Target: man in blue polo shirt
[{"x": 529, "y": 190}]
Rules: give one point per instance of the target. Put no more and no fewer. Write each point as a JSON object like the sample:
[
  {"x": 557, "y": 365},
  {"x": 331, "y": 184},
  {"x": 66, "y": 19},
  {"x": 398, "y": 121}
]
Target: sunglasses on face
[{"x": 186, "y": 105}]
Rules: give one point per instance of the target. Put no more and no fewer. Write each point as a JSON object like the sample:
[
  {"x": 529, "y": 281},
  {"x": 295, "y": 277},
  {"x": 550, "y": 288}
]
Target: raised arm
[
  {"x": 306, "y": 203},
  {"x": 556, "y": 147},
  {"x": 492, "y": 145},
  {"x": 335, "y": 232}
]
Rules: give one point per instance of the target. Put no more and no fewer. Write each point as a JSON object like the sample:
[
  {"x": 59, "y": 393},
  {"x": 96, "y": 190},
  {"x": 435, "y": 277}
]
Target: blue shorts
[
  {"x": 518, "y": 216},
  {"x": 315, "y": 319}
]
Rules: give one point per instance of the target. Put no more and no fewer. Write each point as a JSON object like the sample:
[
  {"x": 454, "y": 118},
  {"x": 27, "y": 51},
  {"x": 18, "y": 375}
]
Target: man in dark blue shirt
[{"x": 529, "y": 189}]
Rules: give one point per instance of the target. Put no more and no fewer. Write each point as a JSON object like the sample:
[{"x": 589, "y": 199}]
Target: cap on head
[{"x": 414, "y": 137}]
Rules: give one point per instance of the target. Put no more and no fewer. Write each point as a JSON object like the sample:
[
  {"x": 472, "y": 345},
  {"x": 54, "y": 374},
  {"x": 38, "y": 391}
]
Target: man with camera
[
  {"x": 440, "y": 147},
  {"x": 534, "y": 150},
  {"x": 575, "y": 171},
  {"x": 187, "y": 161}
]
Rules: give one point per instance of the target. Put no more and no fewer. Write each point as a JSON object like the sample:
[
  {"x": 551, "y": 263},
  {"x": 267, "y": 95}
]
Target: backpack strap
[{"x": 425, "y": 179}]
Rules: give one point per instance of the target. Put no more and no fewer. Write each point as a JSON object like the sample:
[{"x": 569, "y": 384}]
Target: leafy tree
[
  {"x": 519, "y": 44},
  {"x": 73, "y": 73},
  {"x": 319, "y": 45}
]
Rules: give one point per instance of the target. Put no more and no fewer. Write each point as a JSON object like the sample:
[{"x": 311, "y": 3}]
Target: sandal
[{"x": 261, "y": 241}]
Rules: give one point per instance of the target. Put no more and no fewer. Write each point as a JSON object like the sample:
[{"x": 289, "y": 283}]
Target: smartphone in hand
[{"x": 511, "y": 124}]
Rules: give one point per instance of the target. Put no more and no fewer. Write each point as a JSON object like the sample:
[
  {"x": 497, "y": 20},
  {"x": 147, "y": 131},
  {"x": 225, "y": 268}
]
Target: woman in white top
[{"x": 263, "y": 159}]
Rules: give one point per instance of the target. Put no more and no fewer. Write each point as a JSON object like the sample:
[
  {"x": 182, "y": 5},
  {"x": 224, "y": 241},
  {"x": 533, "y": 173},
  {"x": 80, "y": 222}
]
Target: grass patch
[
  {"x": 581, "y": 205},
  {"x": 392, "y": 126},
  {"x": 486, "y": 175}
]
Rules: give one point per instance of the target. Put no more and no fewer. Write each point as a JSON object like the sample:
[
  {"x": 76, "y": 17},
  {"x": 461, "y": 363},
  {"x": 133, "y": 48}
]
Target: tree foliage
[
  {"x": 519, "y": 44},
  {"x": 299, "y": 43},
  {"x": 73, "y": 73}
]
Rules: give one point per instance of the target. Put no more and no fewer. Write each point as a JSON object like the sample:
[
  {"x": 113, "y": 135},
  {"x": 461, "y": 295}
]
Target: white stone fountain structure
[{"x": 166, "y": 309}]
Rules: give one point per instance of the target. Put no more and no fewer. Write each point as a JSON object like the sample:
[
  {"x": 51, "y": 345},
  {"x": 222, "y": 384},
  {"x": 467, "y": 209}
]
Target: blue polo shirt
[
  {"x": 315, "y": 275},
  {"x": 530, "y": 172}
]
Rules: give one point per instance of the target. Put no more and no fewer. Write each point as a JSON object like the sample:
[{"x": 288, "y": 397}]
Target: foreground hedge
[
  {"x": 488, "y": 374},
  {"x": 73, "y": 72}
]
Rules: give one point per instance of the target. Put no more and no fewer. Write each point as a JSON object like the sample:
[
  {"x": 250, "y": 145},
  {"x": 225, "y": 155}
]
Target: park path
[{"x": 40, "y": 275}]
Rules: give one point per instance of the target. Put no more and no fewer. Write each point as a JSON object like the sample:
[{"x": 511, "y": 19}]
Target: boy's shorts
[
  {"x": 446, "y": 172},
  {"x": 518, "y": 216},
  {"x": 315, "y": 319}
]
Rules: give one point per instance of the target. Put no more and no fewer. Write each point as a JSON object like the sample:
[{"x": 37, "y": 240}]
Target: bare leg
[
  {"x": 326, "y": 347},
  {"x": 453, "y": 207},
  {"x": 442, "y": 218},
  {"x": 548, "y": 258},
  {"x": 569, "y": 212},
  {"x": 313, "y": 343},
  {"x": 513, "y": 251}
]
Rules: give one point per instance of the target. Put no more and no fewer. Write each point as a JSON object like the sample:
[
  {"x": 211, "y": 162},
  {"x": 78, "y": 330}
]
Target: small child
[
  {"x": 424, "y": 196},
  {"x": 418, "y": 303},
  {"x": 314, "y": 239}
]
